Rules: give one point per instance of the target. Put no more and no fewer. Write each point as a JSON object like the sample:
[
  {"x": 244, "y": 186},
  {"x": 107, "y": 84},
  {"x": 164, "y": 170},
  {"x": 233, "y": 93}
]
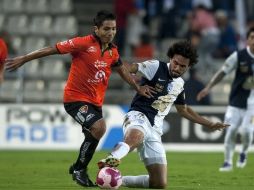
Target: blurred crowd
[{"x": 208, "y": 23}]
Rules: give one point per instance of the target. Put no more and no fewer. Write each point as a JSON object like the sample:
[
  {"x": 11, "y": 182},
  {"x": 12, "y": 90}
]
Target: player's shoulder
[
  {"x": 87, "y": 38},
  {"x": 151, "y": 62},
  {"x": 179, "y": 80}
]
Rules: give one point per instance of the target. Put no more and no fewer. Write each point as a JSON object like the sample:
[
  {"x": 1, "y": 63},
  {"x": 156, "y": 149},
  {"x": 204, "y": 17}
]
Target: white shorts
[
  {"x": 234, "y": 117},
  {"x": 151, "y": 151}
]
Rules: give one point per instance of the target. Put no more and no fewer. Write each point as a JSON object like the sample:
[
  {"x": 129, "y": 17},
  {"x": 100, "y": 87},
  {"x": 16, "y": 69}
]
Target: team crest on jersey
[
  {"x": 170, "y": 86},
  {"x": 91, "y": 49},
  {"x": 83, "y": 109}
]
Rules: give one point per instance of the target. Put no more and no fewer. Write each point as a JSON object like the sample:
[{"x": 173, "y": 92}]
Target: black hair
[
  {"x": 185, "y": 49},
  {"x": 102, "y": 16},
  {"x": 249, "y": 31}
]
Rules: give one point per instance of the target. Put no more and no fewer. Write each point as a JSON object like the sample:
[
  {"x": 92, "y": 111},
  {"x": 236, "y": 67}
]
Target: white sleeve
[
  {"x": 230, "y": 63},
  {"x": 148, "y": 68}
]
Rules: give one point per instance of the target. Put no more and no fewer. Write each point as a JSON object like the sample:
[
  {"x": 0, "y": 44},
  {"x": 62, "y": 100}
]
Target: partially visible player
[
  {"x": 240, "y": 111},
  {"x": 3, "y": 56},
  {"x": 93, "y": 58},
  {"x": 143, "y": 123}
]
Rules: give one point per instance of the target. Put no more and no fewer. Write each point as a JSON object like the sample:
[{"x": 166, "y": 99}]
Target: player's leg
[
  {"x": 133, "y": 137},
  {"x": 153, "y": 155},
  {"x": 93, "y": 127},
  {"x": 157, "y": 172},
  {"x": 246, "y": 132},
  {"x": 86, "y": 153},
  {"x": 157, "y": 176},
  {"x": 233, "y": 117}
]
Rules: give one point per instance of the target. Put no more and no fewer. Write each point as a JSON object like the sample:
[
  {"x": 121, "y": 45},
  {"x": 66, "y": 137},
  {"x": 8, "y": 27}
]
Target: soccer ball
[{"x": 109, "y": 178}]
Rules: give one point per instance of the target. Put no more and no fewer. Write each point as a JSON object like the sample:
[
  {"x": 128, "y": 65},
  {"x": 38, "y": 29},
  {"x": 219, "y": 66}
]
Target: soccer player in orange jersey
[
  {"x": 3, "y": 56},
  {"x": 93, "y": 57}
]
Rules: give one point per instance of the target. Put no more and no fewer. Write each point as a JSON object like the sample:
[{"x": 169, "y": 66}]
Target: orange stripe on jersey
[{"x": 90, "y": 69}]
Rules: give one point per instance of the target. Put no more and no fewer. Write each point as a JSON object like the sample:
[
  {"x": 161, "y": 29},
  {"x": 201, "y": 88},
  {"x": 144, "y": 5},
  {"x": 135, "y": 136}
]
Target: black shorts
[{"x": 84, "y": 113}]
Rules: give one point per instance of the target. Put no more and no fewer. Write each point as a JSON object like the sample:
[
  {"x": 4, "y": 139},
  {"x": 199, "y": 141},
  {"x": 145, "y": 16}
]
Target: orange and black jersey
[{"x": 90, "y": 69}]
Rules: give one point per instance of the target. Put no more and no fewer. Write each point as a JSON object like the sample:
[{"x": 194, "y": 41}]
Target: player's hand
[
  {"x": 218, "y": 126},
  {"x": 146, "y": 91},
  {"x": 14, "y": 63},
  {"x": 203, "y": 93}
]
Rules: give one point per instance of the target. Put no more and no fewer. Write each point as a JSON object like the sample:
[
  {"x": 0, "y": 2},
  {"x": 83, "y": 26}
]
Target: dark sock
[{"x": 86, "y": 152}]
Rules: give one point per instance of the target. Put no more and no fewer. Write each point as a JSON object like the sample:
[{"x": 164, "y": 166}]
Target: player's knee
[
  {"x": 133, "y": 138},
  {"x": 98, "y": 131}
]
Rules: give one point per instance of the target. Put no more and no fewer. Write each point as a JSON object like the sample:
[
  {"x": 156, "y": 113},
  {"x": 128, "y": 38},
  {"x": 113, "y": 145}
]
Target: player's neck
[{"x": 104, "y": 46}]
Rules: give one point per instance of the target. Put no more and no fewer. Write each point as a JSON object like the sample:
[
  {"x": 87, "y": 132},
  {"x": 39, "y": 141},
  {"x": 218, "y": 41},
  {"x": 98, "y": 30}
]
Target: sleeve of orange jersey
[
  {"x": 117, "y": 60},
  {"x": 72, "y": 45}
]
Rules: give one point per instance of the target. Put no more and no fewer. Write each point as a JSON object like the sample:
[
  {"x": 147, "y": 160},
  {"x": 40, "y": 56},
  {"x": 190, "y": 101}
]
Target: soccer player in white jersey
[
  {"x": 143, "y": 123},
  {"x": 240, "y": 111}
]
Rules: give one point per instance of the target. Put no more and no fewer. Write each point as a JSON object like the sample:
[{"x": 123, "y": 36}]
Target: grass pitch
[{"x": 30, "y": 170}]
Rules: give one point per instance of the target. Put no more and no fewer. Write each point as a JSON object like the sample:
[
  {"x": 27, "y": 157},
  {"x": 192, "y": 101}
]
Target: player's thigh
[
  {"x": 135, "y": 128},
  {"x": 248, "y": 122},
  {"x": 234, "y": 117},
  {"x": 157, "y": 175},
  {"x": 86, "y": 114},
  {"x": 134, "y": 137}
]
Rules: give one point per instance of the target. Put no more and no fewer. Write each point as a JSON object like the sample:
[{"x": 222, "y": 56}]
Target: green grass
[{"x": 187, "y": 171}]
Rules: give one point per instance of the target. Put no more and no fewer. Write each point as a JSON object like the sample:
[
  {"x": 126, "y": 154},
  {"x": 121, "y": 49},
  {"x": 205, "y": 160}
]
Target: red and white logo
[
  {"x": 100, "y": 64},
  {"x": 91, "y": 49}
]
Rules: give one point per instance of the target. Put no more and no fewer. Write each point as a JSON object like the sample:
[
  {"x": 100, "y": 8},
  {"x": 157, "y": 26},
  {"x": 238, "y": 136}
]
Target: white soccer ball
[{"x": 109, "y": 178}]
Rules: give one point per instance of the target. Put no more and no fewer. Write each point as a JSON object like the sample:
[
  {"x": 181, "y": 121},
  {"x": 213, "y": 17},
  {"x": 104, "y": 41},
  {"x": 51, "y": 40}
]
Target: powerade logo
[
  {"x": 36, "y": 133},
  {"x": 36, "y": 125}
]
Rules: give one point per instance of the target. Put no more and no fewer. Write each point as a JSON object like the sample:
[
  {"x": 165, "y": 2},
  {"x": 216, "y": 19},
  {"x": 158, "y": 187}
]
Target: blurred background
[{"x": 31, "y": 111}]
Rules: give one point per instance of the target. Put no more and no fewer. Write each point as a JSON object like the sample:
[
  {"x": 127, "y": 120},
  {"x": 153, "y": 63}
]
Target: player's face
[
  {"x": 178, "y": 65},
  {"x": 250, "y": 41},
  {"x": 107, "y": 31}
]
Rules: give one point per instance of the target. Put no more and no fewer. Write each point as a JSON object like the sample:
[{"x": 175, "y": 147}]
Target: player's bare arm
[
  {"x": 219, "y": 75},
  {"x": 133, "y": 68},
  {"x": 145, "y": 90},
  {"x": 190, "y": 114},
  {"x": 14, "y": 63}
]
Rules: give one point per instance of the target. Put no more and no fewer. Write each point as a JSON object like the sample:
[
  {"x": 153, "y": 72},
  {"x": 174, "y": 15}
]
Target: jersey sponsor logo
[
  {"x": 83, "y": 109},
  {"x": 71, "y": 43},
  {"x": 91, "y": 49},
  {"x": 99, "y": 76},
  {"x": 80, "y": 118},
  {"x": 100, "y": 64},
  {"x": 170, "y": 86},
  {"x": 90, "y": 116},
  {"x": 159, "y": 79},
  {"x": 66, "y": 42},
  {"x": 162, "y": 102}
]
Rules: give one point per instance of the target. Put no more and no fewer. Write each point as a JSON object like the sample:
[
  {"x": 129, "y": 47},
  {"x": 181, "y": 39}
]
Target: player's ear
[{"x": 96, "y": 29}]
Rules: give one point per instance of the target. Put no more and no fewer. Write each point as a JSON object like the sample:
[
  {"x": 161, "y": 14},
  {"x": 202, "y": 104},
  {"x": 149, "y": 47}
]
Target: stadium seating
[{"x": 34, "y": 24}]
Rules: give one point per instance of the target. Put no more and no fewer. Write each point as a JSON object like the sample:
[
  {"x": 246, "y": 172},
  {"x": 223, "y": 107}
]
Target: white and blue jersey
[
  {"x": 242, "y": 88},
  {"x": 169, "y": 90}
]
